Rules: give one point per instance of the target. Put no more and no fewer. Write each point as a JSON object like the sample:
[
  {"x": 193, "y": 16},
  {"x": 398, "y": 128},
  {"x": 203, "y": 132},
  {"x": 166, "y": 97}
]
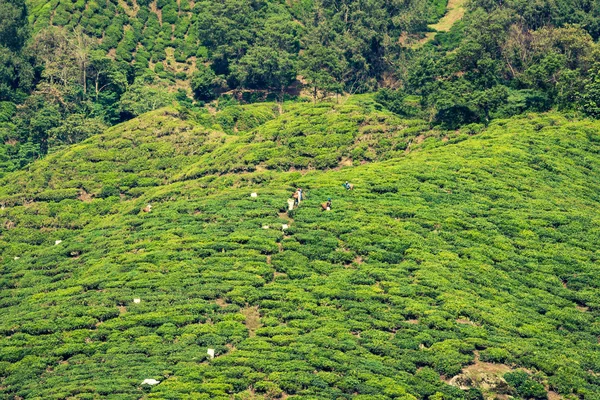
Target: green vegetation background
[
  {"x": 471, "y": 235},
  {"x": 70, "y": 69}
]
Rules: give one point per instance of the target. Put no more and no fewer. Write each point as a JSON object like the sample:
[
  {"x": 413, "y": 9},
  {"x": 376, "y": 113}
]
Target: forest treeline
[
  {"x": 71, "y": 69},
  {"x": 505, "y": 58}
]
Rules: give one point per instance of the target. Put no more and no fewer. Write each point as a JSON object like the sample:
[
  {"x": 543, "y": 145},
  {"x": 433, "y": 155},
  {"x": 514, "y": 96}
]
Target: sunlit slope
[
  {"x": 485, "y": 244},
  {"x": 169, "y": 144}
]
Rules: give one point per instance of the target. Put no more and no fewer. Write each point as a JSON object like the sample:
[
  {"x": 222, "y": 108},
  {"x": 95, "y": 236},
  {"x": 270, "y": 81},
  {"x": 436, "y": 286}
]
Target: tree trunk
[{"x": 281, "y": 97}]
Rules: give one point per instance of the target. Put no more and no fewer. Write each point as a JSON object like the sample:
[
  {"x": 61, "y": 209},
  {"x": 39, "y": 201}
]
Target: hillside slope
[{"x": 472, "y": 249}]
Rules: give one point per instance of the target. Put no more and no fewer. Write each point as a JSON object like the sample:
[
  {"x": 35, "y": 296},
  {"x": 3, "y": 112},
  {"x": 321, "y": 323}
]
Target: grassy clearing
[{"x": 454, "y": 12}]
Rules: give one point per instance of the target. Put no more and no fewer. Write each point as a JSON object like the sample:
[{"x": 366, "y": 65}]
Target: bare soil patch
[{"x": 252, "y": 319}]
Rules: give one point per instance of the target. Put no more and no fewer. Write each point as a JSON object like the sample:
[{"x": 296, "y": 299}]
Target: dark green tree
[
  {"x": 589, "y": 98},
  {"x": 489, "y": 100},
  {"x": 265, "y": 67},
  {"x": 14, "y": 29},
  {"x": 16, "y": 72},
  {"x": 205, "y": 83},
  {"x": 323, "y": 67},
  {"x": 75, "y": 128}
]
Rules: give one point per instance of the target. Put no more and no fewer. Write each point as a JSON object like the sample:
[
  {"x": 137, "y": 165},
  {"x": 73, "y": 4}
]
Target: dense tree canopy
[
  {"x": 14, "y": 28},
  {"x": 509, "y": 57},
  {"x": 16, "y": 73}
]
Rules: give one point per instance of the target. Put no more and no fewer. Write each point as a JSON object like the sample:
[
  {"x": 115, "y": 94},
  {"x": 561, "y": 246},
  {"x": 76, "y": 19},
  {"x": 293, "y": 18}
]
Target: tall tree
[
  {"x": 81, "y": 45},
  {"x": 13, "y": 24},
  {"x": 323, "y": 68},
  {"x": 16, "y": 73},
  {"x": 265, "y": 67}
]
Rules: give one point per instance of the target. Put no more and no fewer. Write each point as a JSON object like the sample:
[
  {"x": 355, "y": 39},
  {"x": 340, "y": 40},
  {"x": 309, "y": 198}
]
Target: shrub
[
  {"x": 108, "y": 191},
  {"x": 204, "y": 83},
  {"x": 525, "y": 386}
]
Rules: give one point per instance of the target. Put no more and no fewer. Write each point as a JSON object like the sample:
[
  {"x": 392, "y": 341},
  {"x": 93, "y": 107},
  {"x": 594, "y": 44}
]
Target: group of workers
[{"x": 299, "y": 196}]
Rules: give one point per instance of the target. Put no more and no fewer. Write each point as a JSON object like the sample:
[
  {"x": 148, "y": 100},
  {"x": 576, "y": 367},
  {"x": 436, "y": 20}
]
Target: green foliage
[
  {"x": 238, "y": 38},
  {"x": 204, "y": 83},
  {"x": 395, "y": 101},
  {"x": 141, "y": 97},
  {"x": 75, "y": 129},
  {"x": 368, "y": 300},
  {"x": 264, "y": 67},
  {"x": 526, "y": 387},
  {"x": 509, "y": 60},
  {"x": 590, "y": 96},
  {"x": 14, "y": 29},
  {"x": 103, "y": 63},
  {"x": 488, "y": 218},
  {"x": 319, "y": 136},
  {"x": 16, "y": 72},
  {"x": 169, "y": 14}
]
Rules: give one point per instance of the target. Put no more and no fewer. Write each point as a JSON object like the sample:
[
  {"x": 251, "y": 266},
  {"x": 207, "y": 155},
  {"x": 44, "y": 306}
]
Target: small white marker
[
  {"x": 253, "y": 194},
  {"x": 16, "y": 258},
  {"x": 265, "y": 227},
  {"x": 57, "y": 242},
  {"x": 284, "y": 226},
  {"x": 211, "y": 353},
  {"x": 151, "y": 382},
  {"x": 137, "y": 301}
]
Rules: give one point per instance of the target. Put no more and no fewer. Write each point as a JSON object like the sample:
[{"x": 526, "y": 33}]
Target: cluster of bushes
[
  {"x": 176, "y": 145},
  {"x": 368, "y": 300}
]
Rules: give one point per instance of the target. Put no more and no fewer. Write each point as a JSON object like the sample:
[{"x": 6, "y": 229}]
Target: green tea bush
[
  {"x": 57, "y": 195},
  {"x": 525, "y": 386}
]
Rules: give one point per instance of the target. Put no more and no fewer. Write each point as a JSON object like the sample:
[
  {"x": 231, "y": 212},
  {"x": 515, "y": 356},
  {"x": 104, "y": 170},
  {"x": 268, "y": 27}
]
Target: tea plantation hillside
[
  {"x": 170, "y": 144},
  {"x": 454, "y": 251}
]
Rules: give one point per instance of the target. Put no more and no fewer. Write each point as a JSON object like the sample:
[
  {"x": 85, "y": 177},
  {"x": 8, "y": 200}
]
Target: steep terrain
[{"x": 457, "y": 253}]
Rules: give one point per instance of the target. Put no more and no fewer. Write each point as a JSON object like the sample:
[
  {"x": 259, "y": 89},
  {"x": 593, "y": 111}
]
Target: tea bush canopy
[
  {"x": 468, "y": 248},
  {"x": 235, "y": 199}
]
